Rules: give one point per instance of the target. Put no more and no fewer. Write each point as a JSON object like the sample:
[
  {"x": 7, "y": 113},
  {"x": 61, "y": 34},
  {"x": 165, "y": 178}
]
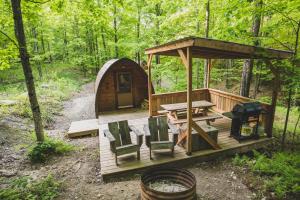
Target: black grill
[{"x": 242, "y": 114}]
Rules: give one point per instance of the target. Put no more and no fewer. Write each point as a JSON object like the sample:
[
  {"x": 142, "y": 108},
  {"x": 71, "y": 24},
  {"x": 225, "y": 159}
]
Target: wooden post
[
  {"x": 186, "y": 57},
  {"x": 208, "y": 72},
  {"x": 276, "y": 87},
  {"x": 149, "y": 83},
  {"x": 189, "y": 100}
]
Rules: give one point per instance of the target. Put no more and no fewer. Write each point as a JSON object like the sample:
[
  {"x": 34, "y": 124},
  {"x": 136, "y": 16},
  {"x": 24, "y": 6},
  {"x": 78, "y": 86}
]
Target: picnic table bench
[{"x": 200, "y": 111}]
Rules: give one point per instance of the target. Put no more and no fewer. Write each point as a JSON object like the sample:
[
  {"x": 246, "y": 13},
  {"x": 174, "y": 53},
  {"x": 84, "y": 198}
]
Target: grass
[
  {"x": 280, "y": 119},
  {"x": 58, "y": 83},
  {"x": 281, "y": 171},
  {"x": 42, "y": 151},
  {"x": 25, "y": 188}
]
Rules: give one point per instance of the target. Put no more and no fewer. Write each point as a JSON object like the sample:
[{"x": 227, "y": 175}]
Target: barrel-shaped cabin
[{"x": 120, "y": 83}]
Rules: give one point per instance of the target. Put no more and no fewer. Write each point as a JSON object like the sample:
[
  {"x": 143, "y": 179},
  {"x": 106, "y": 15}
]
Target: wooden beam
[
  {"x": 172, "y": 46},
  {"x": 222, "y": 49},
  {"x": 205, "y": 136},
  {"x": 251, "y": 51},
  {"x": 183, "y": 57},
  {"x": 189, "y": 100},
  {"x": 150, "y": 56}
]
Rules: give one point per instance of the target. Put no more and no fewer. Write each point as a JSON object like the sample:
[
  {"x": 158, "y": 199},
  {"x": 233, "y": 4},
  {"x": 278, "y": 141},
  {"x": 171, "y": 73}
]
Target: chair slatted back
[
  {"x": 114, "y": 129},
  {"x": 158, "y": 127},
  {"x": 124, "y": 132},
  {"x": 163, "y": 128},
  {"x": 152, "y": 122}
]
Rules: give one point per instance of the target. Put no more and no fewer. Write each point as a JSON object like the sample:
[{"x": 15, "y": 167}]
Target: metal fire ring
[{"x": 181, "y": 176}]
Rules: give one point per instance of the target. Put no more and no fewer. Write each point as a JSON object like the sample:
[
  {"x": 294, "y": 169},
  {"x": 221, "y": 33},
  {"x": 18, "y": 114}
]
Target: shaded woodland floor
[{"x": 79, "y": 171}]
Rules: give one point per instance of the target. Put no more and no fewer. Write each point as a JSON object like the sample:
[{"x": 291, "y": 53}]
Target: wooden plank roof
[{"x": 217, "y": 49}]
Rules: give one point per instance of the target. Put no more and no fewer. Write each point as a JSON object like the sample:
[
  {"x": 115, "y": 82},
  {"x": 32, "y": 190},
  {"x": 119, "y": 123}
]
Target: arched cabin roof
[{"x": 105, "y": 69}]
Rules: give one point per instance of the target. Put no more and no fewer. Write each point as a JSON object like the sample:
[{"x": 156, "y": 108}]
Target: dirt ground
[{"x": 79, "y": 171}]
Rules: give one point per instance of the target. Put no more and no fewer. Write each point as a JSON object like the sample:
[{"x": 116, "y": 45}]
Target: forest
[{"x": 52, "y": 50}]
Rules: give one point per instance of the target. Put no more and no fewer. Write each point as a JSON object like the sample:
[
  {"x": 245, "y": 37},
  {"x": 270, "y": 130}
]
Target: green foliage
[
  {"x": 282, "y": 171},
  {"x": 41, "y": 151},
  {"x": 279, "y": 123},
  {"x": 6, "y": 56},
  {"x": 25, "y": 188},
  {"x": 240, "y": 160},
  {"x": 56, "y": 86}
]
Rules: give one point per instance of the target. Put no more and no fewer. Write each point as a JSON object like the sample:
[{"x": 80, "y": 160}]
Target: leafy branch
[
  {"x": 39, "y": 2},
  {"x": 12, "y": 40}
]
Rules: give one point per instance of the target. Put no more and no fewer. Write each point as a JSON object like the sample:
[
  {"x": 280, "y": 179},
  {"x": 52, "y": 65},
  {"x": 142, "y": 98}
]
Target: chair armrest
[
  {"x": 147, "y": 135},
  {"x": 109, "y": 136},
  {"x": 138, "y": 133},
  {"x": 112, "y": 140},
  {"x": 146, "y": 130},
  {"x": 135, "y": 130}
]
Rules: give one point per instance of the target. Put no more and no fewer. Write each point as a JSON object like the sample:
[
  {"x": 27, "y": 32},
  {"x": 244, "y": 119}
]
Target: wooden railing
[
  {"x": 224, "y": 102},
  {"x": 176, "y": 97}
]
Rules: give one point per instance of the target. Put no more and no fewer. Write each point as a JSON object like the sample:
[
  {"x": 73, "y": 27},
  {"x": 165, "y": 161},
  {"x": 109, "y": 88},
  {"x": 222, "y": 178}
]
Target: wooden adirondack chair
[
  {"x": 118, "y": 134},
  {"x": 156, "y": 133}
]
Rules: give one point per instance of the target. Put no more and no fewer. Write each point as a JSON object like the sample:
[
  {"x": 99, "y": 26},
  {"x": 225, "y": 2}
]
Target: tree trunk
[
  {"x": 286, "y": 120},
  {"x": 290, "y": 91},
  {"x": 43, "y": 42},
  {"x": 207, "y": 19},
  {"x": 97, "y": 54},
  {"x": 158, "y": 13},
  {"x": 138, "y": 53},
  {"x": 294, "y": 132},
  {"x": 248, "y": 63},
  {"x": 257, "y": 81},
  {"x": 228, "y": 66},
  {"x": 103, "y": 41},
  {"x": 116, "y": 32},
  {"x": 20, "y": 35},
  {"x": 36, "y": 51},
  {"x": 49, "y": 50},
  {"x": 65, "y": 44},
  {"x": 198, "y": 65}
]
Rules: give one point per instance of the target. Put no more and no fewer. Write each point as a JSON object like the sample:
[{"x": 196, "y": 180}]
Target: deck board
[
  {"x": 83, "y": 128},
  {"x": 128, "y": 163}
]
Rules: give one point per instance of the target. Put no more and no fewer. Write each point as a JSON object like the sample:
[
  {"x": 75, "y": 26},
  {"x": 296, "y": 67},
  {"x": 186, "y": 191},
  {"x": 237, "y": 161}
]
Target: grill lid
[{"x": 250, "y": 107}]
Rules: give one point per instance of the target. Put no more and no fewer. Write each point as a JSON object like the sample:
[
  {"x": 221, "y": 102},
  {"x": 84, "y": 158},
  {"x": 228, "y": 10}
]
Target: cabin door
[{"x": 124, "y": 90}]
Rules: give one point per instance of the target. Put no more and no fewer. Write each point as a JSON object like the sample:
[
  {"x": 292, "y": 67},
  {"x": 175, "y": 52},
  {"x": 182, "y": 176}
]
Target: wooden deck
[{"x": 128, "y": 163}]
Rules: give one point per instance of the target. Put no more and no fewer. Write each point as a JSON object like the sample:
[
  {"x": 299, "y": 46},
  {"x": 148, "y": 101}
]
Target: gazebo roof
[{"x": 217, "y": 49}]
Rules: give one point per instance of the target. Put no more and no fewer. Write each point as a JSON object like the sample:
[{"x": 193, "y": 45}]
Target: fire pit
[{"x": 168, "y": 183}]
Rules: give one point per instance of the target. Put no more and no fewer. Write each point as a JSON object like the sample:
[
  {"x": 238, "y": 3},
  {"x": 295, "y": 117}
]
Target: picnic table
[
  {"x": 199, "y": 108},
  {"x": 200, "y": 113}
]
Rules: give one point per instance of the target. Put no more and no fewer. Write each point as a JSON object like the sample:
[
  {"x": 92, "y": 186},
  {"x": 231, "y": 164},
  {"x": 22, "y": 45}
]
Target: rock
[
  {"x": 273, "y": 194},
  {"x": 7, "y": 173},
  {"x": 8, "y": 102},
  {"x": 45, "y": 86}
]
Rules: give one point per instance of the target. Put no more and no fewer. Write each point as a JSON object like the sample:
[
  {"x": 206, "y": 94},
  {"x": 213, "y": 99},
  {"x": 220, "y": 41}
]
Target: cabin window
[{"x": 124, "y": 82}]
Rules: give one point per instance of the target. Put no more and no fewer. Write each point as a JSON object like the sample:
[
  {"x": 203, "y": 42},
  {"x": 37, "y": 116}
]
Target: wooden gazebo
[{"x": 194, "y": 47}]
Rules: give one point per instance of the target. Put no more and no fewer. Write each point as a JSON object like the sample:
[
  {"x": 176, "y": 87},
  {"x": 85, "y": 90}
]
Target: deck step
[{"x": 84, "y": 128}]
